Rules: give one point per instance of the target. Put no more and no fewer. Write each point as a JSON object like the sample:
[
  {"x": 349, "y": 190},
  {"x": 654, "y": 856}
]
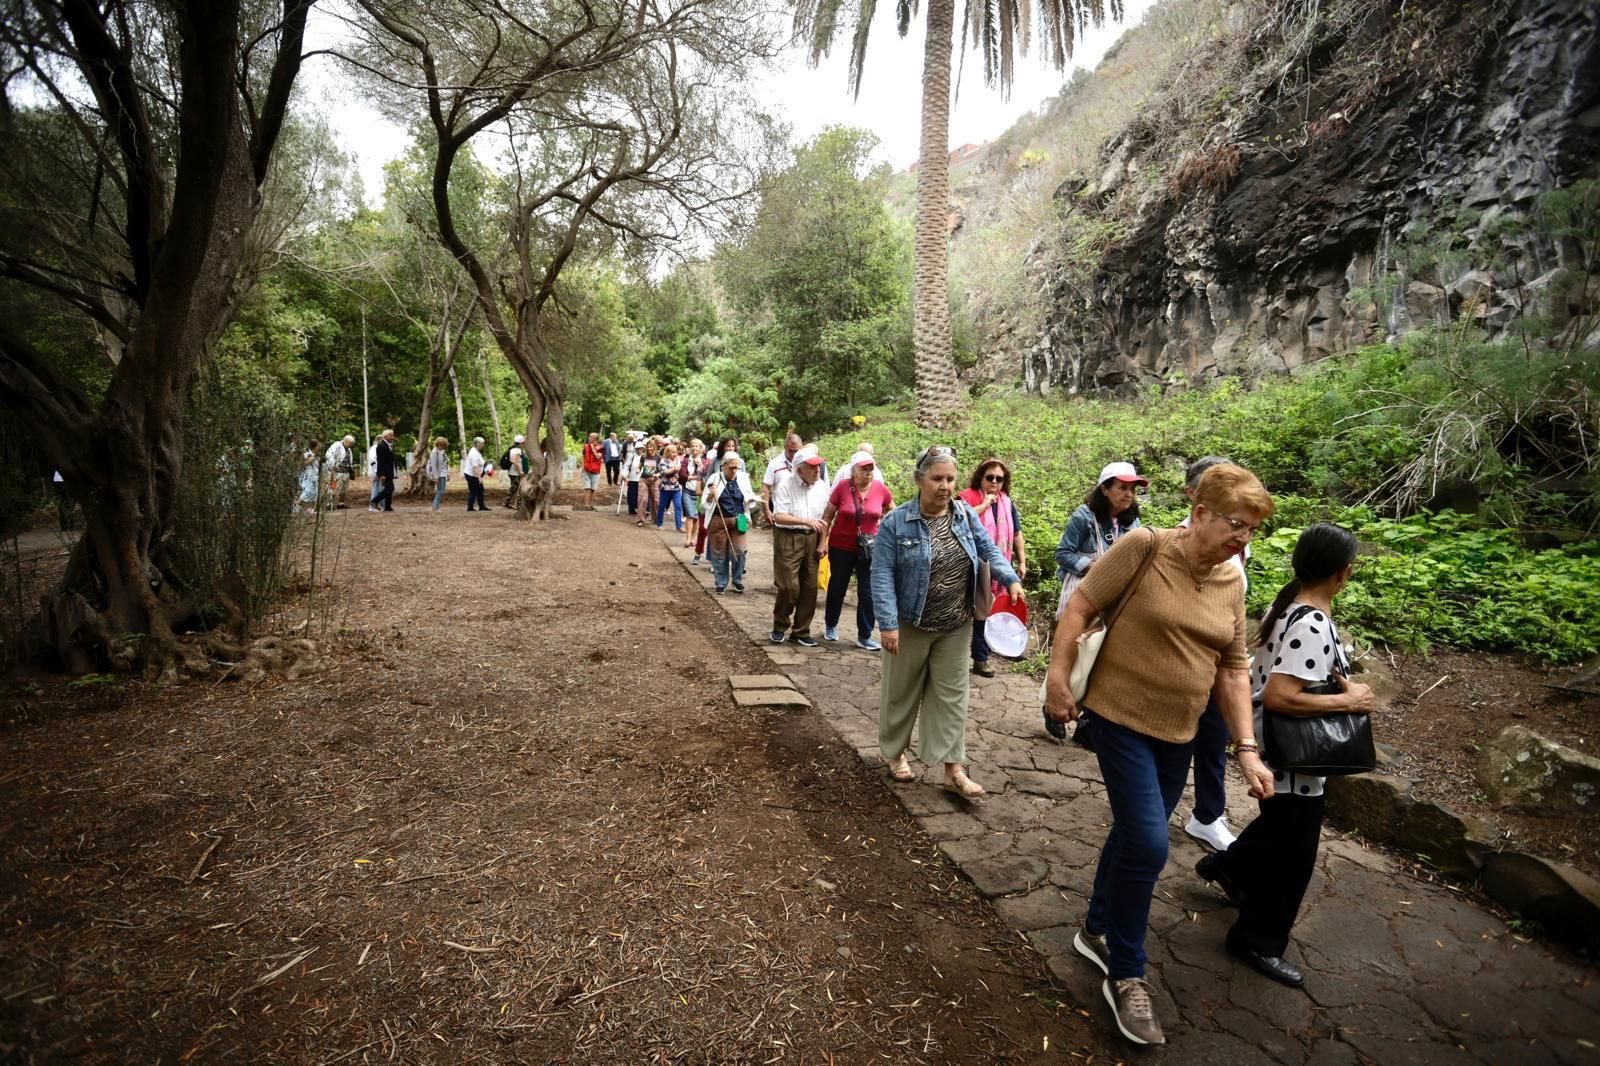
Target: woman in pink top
[
  {"x": 854, "y": 509},
  {"x": 989, "y": 494}
]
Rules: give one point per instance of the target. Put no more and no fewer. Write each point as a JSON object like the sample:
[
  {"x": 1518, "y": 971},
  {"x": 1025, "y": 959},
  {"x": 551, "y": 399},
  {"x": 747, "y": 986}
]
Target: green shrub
[{"x": 1323, "y": 443}]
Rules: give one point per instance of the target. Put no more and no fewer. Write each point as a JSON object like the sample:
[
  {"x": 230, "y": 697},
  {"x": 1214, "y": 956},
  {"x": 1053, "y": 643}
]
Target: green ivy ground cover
[{"x": 1428, "y": 578}]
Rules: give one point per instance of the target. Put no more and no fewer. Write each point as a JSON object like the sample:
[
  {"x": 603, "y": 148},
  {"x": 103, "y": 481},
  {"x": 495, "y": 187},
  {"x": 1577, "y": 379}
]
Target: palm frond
[{"x": 858, "y": 44}]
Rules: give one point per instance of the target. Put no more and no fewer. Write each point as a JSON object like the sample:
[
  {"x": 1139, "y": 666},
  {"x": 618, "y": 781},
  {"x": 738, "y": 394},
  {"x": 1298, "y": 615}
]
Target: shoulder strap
[{"x": 1133, "y": 586}]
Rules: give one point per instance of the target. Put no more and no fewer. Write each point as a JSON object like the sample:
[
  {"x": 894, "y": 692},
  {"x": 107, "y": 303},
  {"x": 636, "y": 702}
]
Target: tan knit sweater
[{"x": 1161, "y": 659}]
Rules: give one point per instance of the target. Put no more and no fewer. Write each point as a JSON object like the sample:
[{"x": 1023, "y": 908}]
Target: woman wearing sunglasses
[
  {"x": 989, "y": 496},
  {"x": 1178, "y": 640},
  {"x": 856, "y": 506},
  {"x": 925, "y": 567}
]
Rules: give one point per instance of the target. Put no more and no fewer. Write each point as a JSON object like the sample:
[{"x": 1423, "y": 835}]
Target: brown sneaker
[
  {"x": 1094, "y": 949},
  {"x": 1135, "y": 1013}
]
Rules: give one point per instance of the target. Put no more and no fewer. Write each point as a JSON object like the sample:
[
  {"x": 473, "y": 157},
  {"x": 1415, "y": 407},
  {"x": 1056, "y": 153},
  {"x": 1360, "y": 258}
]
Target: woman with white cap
[
  {"x": 1107, "y": 512},
  {"x": 855, "y": 507},
  {"x": 516, "y": 463}
]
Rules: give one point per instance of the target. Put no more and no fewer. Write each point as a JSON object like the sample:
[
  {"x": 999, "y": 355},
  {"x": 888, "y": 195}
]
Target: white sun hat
[{"x": 1007, "y": 635}]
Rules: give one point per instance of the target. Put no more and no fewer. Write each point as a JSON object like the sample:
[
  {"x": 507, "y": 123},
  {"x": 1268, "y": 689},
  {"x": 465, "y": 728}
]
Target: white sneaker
[{"x": 1215, "y": 835}]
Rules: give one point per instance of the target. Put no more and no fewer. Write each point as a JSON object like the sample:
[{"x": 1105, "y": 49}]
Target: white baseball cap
[
  {"x": 862, "y": 457},
  {"x": 518, "y": 439},
  {"x": 1121, "y": 472},
  {"x": 808, "y": 454}
]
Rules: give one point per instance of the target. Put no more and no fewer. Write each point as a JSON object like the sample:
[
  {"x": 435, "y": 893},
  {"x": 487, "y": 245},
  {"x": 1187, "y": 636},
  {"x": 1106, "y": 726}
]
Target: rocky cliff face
[{"x": 1276, "y": 215}]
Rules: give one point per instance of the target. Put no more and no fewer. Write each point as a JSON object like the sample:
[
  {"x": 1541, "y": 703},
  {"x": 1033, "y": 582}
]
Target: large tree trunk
[
  {"x": 121, "y": 457},
  {"x": 938, "y": 391}
]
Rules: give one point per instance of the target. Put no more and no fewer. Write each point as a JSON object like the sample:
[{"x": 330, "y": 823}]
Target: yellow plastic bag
[{"x": 823, "y": 572}]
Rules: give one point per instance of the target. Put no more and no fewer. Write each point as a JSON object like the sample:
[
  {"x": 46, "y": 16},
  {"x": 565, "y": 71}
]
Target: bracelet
[{"x": 1244, "y": 746}]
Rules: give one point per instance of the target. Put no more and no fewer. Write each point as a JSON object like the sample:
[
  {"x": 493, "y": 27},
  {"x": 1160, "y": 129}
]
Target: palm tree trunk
[{"x": 938, "y": 392}]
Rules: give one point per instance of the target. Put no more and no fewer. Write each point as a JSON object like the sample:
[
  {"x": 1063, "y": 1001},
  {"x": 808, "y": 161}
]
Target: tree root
[{"x": 218, "y": 655}]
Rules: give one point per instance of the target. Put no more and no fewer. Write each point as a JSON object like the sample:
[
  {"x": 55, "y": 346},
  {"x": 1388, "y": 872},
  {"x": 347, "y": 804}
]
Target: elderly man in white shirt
[
  {"x": 797, "y": 505},
  {"x": 472, "y": 470},
  {"x": 341, "y": 458},
  {"x": 779, "y": 467}
]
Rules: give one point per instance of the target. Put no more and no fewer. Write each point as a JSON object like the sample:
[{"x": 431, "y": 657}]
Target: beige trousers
[
  {"x": 794, "y": 571},
  {"x": 928, "y": 675}
]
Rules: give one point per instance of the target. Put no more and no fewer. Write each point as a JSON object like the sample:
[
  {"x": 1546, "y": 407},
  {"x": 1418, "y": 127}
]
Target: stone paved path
[{"x": 1398, "y": 971}]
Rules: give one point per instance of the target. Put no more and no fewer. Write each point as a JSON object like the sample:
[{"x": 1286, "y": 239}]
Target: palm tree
[{"x": 997, "y": 30}]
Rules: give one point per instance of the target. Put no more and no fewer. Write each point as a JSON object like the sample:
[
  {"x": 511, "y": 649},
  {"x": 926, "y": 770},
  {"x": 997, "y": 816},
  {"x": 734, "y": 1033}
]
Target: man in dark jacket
[{"x": 385, "y": 497}]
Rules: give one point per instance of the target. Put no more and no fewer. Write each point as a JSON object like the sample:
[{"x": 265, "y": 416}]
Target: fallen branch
[
  {"x": 279, "y": 972},
  {"x": 607, "y": 988},
  {"x": 194, "y": 873},
  {"x": 1433, "y": 686},
  {"x": 464, "y": 947}
]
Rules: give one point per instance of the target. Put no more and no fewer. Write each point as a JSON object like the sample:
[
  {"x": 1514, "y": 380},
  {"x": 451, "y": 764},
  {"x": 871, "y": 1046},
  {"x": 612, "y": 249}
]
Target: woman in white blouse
[{"x": 1298, "y": 668}]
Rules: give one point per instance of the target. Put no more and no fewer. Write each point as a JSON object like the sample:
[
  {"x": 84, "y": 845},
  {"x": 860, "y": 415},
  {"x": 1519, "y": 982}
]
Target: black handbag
[
  {"x": 1320, "y": 745},
  {"x": 863, "y": 540}
]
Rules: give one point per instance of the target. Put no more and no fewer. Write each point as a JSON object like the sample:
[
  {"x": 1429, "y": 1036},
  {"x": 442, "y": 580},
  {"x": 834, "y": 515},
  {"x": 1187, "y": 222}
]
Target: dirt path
[{"x": 517, "y": 820}]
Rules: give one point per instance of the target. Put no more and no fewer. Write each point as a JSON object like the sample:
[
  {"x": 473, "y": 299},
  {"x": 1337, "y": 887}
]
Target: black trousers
[
  {"x": 1271, "y": 864},
  {"x": 475, "y": 494},
  {"x": 842, "y": 565},
  {"x": 613, "y": 471}
]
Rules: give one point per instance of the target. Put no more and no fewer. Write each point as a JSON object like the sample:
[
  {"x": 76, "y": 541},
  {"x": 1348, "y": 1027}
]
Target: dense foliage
[{"x": 1320, "y": 444}]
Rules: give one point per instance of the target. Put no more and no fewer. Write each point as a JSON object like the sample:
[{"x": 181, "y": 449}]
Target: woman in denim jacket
[{"x": 925, "y": 565}]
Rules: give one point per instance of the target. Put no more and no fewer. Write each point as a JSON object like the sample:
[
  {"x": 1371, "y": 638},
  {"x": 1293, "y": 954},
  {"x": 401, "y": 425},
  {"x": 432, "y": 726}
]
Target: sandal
[
  {"x": 958, "y": 782},
  {"x": 900, "y": 768}
]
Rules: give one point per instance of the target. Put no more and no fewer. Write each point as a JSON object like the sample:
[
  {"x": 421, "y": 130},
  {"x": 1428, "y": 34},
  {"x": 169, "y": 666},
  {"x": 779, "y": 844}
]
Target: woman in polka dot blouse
[{"x": 1267, "y": 869}]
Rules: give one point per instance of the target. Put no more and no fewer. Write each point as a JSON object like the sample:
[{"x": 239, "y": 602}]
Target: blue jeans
[
  {"x": 438, "y": 492},
  {"x": 1144, "y": 778},
  {"x": 672, "y": 497},
  {"x": 841, "y": 564},
  {"x": 1211, "y": 766},
  {"x": 726, "y": 559}
]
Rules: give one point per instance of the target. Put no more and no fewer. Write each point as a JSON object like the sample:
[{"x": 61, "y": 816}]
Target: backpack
[{"x": 505, "y": 460}]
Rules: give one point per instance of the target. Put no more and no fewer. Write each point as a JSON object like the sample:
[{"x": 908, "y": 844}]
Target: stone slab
[
  {"x": 760, "y": 681},
  {"x": 769, "y": 697}
]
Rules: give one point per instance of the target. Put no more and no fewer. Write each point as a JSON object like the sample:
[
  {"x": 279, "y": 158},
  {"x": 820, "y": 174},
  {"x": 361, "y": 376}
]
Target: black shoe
[
  {"x": 1210, "y": 869},
  {"x": 1053, "y": 727},
  {"x": 738, "y": 587},
  {"x": 805, "y": 640},
  {"x": 1270, "y": 966}
]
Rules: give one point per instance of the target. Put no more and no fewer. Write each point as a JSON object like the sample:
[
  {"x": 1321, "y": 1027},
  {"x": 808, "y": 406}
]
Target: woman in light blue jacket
[
  {"x": 925, "y": 581},
  {"x": 1109, "y": 511}
]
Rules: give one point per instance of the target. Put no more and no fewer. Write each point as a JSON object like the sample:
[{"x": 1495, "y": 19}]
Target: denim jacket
[
  {"x": 902, "y": 561},
  {"x": 1083, "y": 539}
]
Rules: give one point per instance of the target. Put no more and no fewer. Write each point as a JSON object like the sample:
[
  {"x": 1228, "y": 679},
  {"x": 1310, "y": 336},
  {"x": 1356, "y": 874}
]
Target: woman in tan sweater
[{"x": 1179, "y": 641}]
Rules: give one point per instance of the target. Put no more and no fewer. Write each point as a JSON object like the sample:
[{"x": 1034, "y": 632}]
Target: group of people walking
[{"x": 1175, "y": 688}]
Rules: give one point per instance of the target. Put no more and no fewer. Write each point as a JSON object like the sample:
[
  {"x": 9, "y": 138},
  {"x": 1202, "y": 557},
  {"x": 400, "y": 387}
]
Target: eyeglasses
[
  {"x": 996, "y": 478},
  {"x": 1236, "y": 525},
  {"x": 941, "y": 449}
]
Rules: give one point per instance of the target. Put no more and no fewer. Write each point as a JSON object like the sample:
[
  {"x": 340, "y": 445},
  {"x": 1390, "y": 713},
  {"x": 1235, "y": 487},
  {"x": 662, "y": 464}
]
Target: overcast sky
[{"x": 808, "y": 99}]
